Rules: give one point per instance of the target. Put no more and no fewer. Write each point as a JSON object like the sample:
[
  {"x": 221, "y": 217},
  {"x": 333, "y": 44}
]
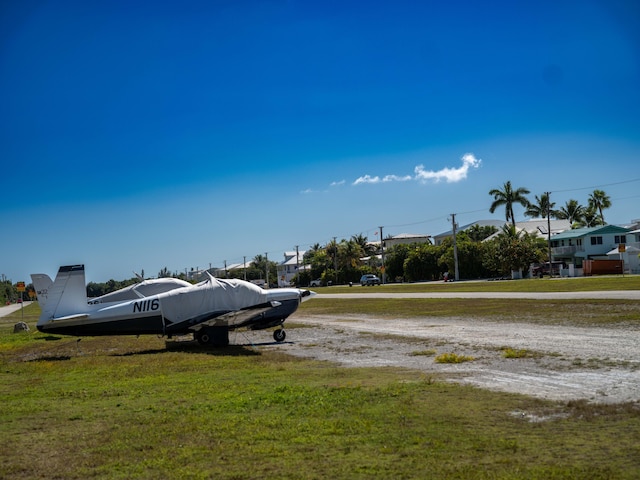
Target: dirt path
[{"x": 564, "y": 363}]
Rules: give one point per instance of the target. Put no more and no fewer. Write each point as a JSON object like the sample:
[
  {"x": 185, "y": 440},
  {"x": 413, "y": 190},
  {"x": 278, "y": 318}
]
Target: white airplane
[{"x": 164, "y": 306}]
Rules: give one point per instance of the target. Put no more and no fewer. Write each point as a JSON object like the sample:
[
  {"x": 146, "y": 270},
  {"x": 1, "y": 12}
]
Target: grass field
[
  {"x": 578, "y": 284},
  {"x": 556, "y": 312},
  {"x": 126, "y": 407}
]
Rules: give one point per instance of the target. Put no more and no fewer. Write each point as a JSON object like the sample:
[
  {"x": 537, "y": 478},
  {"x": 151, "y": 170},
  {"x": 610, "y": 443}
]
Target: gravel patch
[{"x": 598, "y": 364}]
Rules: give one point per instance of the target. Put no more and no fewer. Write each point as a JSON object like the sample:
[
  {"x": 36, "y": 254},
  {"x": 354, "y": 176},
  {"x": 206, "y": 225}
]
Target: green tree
[
  {"x": 349, "y": 254},
  {"x": 507, "y": 197},
  {"x": 476, "y": 233},
  {"x": 470, "y": 254},
  {"x": 318, "y": 261},
  {"x": 422, "y": 263},
  {"x": 164, "y": 273},
  {"x": 540, "y": 207},
  {"x": 512, "y": 251},
  {"x": 590, "y": 218},
  {"x": 258, "y": 269},
  {"x": 363, "y": 241},
  {"x": 395, "y": 257},
  {"x": 8, "y": 292},
  {"x": 571, "y": 211},
  {"x": 599, "y": 200}
]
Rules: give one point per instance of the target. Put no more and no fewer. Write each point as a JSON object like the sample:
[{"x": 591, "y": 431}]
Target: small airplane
[{"x": 163, "y": 306}]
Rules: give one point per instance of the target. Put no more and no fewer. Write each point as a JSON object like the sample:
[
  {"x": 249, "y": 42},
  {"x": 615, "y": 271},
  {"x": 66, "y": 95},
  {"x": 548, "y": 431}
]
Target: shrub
[{"x": 453, "y": 358}]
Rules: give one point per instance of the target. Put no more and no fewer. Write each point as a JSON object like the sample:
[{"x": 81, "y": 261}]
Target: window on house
[
  {"x": 620, "y": 239},
  {"x": 596, "y": 240},
  {"x": 579, "y": 242}
]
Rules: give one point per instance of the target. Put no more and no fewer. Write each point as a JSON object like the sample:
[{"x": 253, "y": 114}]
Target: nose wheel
[{"x": 279, "y": 335}]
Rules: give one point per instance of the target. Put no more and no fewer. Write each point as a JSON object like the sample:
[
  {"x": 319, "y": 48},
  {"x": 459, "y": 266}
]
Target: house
[
  {"x": 438, "y": 239},
  {"x": 630, "y": 254},
  {"x": 538, "y": 227},
  {"x": 406, "y": 239},
  {"x": 290, "y": 267},
  {"x": 575, "y": 246},
  {"x": 223, "y": 272}
]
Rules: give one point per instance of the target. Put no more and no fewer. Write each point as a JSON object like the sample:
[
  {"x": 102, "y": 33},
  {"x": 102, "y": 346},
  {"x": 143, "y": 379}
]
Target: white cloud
[
  {"x": 337, "y": 184},
  {"x": 385, "y": 179},
  {"x": 449, "y": 175},
  {"x": 367, "y": 179}
]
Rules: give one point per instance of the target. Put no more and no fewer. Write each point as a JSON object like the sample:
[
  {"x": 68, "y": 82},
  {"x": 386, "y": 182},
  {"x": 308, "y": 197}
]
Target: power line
[{"x": 596, "y": 186}]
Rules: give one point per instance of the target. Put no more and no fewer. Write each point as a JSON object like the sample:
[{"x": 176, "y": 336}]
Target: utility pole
[
  {"x": 549, "y": 231},
  {"x": 266, "y": 267},
  {"x": 298, "y": 264},
  {"x": 244, "y": 267},
  {"x": 455, "y": 247},
  {"x": 384, "y": 273},
  {"x": 335, "y": 261}
]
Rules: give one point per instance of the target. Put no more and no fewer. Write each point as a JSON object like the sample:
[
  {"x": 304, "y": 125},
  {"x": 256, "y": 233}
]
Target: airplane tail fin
[
  {"x": 67, "y": 295},
  {"x": 41, "y": 283}
]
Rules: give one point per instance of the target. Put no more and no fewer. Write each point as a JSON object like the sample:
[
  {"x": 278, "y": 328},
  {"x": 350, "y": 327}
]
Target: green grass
[
  {"x": 508, "y": 352},
  {"x": 567, "y": 312},
  {"x": 580, "y": 284},
  {"x": 453, "y": 358},
  {"x": 126, "y": 407}
]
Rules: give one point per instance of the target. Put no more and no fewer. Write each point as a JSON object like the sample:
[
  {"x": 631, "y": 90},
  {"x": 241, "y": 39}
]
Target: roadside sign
[{"x": 21, "y": 287}]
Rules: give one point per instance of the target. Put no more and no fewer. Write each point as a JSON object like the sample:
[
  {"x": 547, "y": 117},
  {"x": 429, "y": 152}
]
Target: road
[{"x": 8, "y": 309}]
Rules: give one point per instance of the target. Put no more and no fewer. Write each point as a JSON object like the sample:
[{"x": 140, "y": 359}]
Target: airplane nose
[{"x": 307, "y": 294}]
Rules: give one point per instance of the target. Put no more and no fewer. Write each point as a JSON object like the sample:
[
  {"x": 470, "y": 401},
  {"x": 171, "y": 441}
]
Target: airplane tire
[
  {"x": 279, "y": 335},
  {"x": 213, "y": 336},
  {"x": 203, "y": 338}
]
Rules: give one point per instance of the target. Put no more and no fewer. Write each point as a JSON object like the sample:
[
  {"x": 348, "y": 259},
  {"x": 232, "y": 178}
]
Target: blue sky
[{"x": 137, "y": 135}]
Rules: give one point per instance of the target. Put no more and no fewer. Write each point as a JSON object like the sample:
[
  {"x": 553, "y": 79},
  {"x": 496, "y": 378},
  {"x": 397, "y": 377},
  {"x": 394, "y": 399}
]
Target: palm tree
[
  {"x": 540, "y": 208},
  {"x": 590, "y": 218},
  {"x": 363, "y": 241},
  {"x": 572, "y": 211},
  {"x": 350, "y": 253},
  {"x": 599, "y": 200},
  {"x": 507, "y": 197}
]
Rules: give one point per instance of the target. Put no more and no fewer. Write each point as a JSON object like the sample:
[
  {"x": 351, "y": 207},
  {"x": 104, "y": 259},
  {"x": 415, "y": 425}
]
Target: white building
[
  {"x": 290, "y": 267},
  {"x": 595, "y": 243}
]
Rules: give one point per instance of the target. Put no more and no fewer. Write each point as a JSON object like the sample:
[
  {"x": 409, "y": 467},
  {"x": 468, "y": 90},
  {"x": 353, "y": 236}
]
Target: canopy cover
[{"x": 212, "y": 295}]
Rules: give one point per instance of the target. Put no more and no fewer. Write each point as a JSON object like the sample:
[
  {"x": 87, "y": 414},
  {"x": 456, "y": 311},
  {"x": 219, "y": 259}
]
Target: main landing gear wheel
[
  {"x": 213, "y": 336},
  {"x": 203, "y": 338},
  {"x": 279, "y": 335}
]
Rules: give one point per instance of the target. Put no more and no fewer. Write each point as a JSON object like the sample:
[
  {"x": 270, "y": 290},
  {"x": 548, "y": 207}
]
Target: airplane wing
[
  {"x": 237, "y": 317},
  {"x": 77, "y": 316}
]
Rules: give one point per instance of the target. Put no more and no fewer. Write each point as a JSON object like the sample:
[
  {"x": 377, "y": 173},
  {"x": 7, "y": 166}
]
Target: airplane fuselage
[{"x": 204, "y": 309}]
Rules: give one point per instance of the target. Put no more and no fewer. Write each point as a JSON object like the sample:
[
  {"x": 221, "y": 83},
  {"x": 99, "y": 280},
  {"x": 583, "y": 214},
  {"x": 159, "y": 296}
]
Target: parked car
[
  {"x": 315, "y": 283},
  {"x": 369, "y": 280},
  {"x": 542, "y": 269}
]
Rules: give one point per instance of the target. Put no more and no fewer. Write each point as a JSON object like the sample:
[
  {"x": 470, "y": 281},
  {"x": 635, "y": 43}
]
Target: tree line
[{"x": 507, "y": 251}]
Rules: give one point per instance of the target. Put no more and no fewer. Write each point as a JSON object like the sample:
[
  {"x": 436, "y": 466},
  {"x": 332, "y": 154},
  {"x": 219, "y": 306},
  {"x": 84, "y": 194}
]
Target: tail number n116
[{"x": 146, "y": 305}]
